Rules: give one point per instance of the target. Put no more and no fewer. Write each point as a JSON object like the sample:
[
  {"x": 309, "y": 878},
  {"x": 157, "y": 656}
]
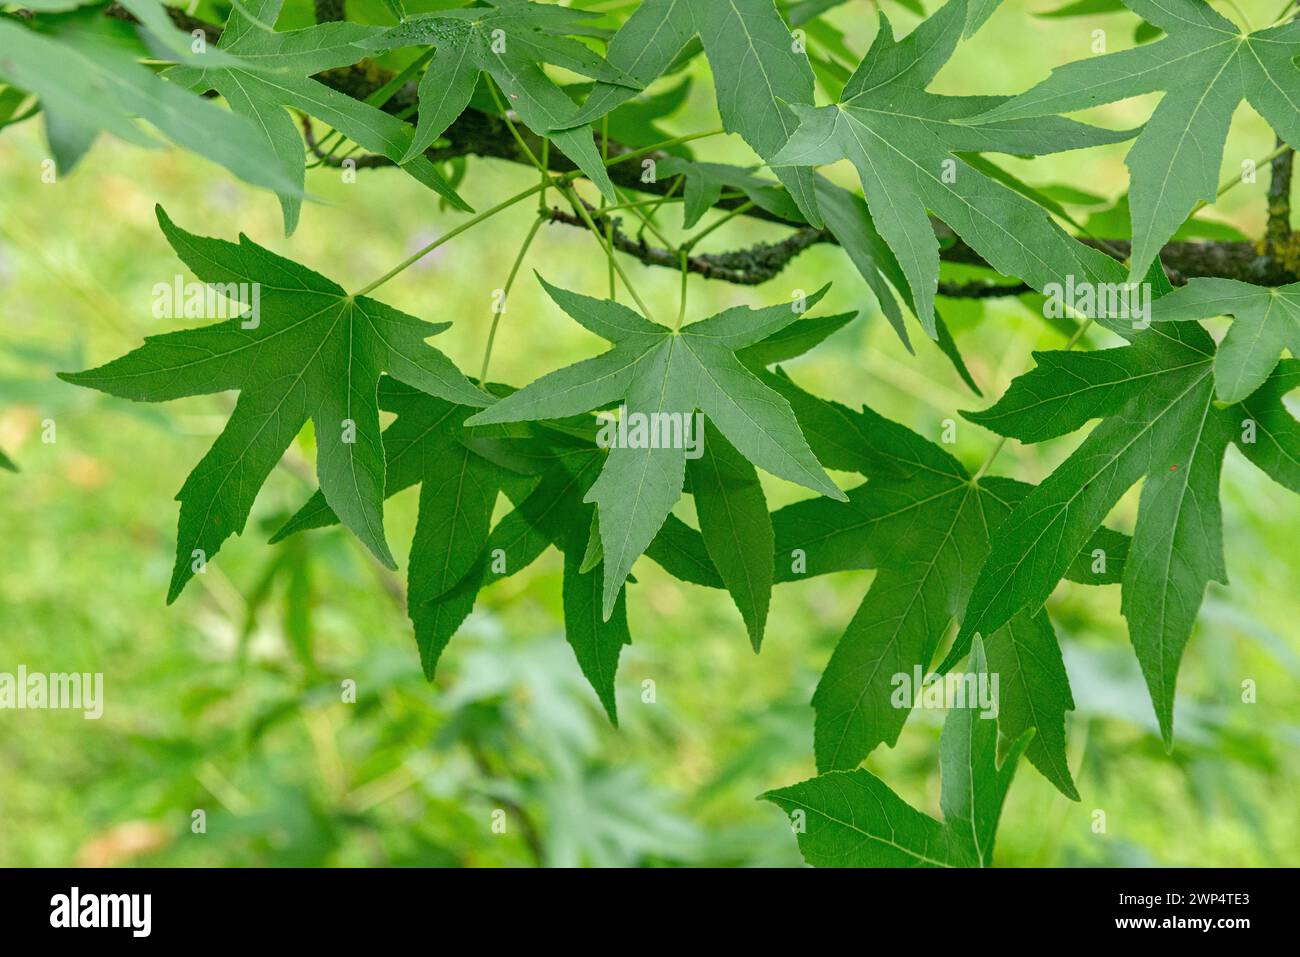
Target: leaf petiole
[
  {"x": 447, "y": 236},
  {"x": 505, "y": 296},
  {"x": 559, "y": 182},
  {"x": 581, "y": 209}
]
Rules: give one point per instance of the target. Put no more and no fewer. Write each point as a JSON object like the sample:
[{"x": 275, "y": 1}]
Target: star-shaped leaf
[
  {"x": 907, "y": 143},
  {"x": 304, "y": 349},
  {"x": 664, "y": 375},
  {"x": 1160, "y": 424},
  {"x": 1267, "y": 321},
  {"x": 925, "y": 524},
  {"x": 853, "y": 819},
  {"x": 265, "y": 97},
  {"x": 547, "y": 473},
  {"x": 1205, "y": 66},
  {"x": 508, "y": 41},
  {"x": 758, "y": 72}
]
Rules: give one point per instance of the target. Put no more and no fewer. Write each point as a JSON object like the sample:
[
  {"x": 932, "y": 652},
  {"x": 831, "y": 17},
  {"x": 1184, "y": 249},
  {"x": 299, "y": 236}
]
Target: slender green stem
[
  {"x": 505, "y": 297},
  {"x": 1232, "y": 181},
  {"x": 731, "y": 214},
  {"x": 609, "y": 262},
  {"x": 662, "y": 145},
  {"x": 646, "y": 223},
  {"x": 546, "y": 176},
  {"x": 1078, "y": 334},
  {"x": 989, "y": 461},
  {"x": 580, "y": 208},
  {"x": 447, "y": 236},
  {"x": 559, "y": 182},
  {"x": 609, "y": 223},
  {"x": 651, "y": 204},
  {"x": 667, "y": 197}
]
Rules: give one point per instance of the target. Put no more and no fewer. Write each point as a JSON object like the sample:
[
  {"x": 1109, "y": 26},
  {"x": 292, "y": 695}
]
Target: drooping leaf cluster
[{"x": 505, "y": 472}]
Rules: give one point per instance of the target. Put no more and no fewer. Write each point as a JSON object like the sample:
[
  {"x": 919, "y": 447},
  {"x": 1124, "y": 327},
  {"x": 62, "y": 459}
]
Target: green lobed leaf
[
  {"x": 266, "y": 97},
  {"x": 1159, "y": 423},
  {"x": 926, "y": 525},
  {"x": 455, "y": 551},
  {"x": 852, "y": 819},
  {"x": 308, "y": 351},
  {"x": 91, "y": 83},
  {"x": 1269, "y": 434},
  {"x": 1267, "y": 320},
  {"x": 903, "y": 142},
  {"x": 508, "y": 42},
  {"x": 757, "y": 73},
  {"x": 656, "y": 371},
  {"x": 1205, "y": 66}
]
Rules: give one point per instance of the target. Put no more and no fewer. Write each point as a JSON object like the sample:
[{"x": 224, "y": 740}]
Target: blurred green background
[{"x": 229, "y": 700}]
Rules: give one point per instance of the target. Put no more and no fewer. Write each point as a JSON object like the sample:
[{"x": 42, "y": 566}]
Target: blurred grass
[{"x": 201, "y": 716}]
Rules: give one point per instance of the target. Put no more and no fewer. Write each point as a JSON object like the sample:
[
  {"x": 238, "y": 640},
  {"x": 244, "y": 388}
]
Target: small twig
[
  {"x": 505, "y": 296},
  {"x": 366, "y": 161},
  {"x": 580, "y": 207},
  {"x": 981, "y": 290}
]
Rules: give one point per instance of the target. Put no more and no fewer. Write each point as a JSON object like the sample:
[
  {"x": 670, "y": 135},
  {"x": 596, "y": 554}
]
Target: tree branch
[
  {"x": 480, "y": 134},
  {"x": 179, "y": 17},
  {"x": 1278, "y": 235},
  {"x": 365, "y": 161},
  {"x": 1275, "y": 262},
  {"x": 742, "y": 267},
  {"x": 762, "y": 261}
]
